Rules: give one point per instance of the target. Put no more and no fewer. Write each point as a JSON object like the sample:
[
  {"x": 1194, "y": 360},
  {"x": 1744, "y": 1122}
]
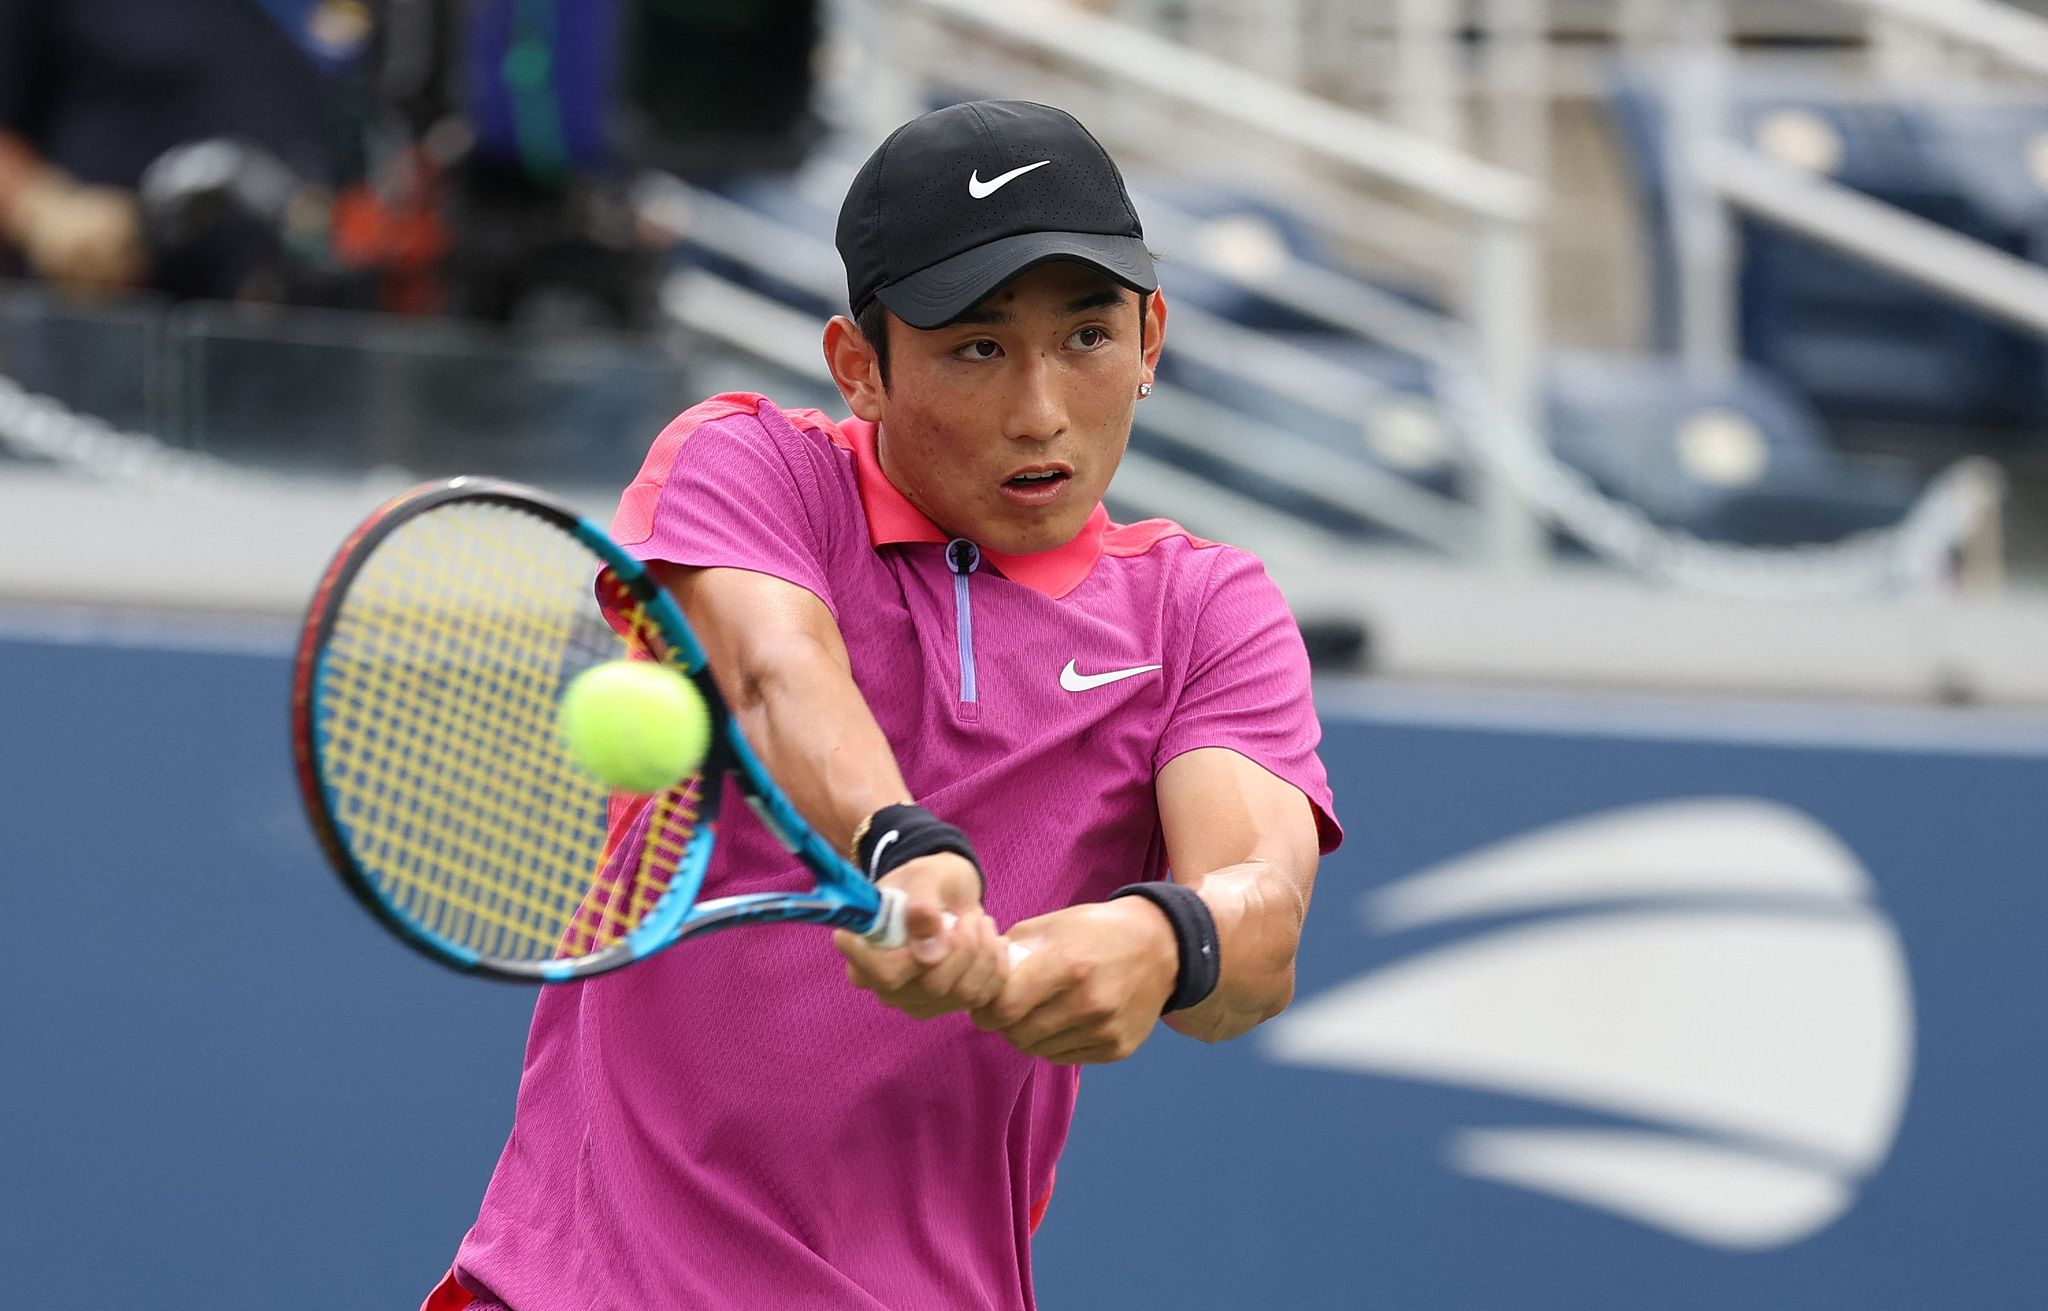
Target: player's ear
[
  {"x": 856, "y": 368},
  {"x": 1155, "y": 335}
]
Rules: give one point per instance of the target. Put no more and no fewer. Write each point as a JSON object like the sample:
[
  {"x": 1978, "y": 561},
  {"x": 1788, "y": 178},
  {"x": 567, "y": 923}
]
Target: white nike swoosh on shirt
[
  {"x": 983, "y": 190},
  {"x": 1074, "y": 680}
]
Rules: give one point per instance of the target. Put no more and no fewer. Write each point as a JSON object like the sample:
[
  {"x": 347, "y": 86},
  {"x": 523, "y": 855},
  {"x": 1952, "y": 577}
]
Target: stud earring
[{"x": 1144, "y": 390}]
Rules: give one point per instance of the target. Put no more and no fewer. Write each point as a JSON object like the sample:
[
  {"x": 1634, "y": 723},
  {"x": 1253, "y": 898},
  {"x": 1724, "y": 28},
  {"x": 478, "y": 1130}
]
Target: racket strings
[
  {"x": 502, "y": 842},
  {"x": 639, "y": 874},
  {"x": 455, "y": 716},
  {"x": 455, "y": 841},
  {"x": 673, "y": 819},
  {"x": 439, "y": 691},
  {"x": 537, "y": 695},
  {"x": 668, "y": 838}
]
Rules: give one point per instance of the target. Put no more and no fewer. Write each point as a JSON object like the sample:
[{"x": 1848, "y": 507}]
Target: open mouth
[{"x": 1041, "y": 478}]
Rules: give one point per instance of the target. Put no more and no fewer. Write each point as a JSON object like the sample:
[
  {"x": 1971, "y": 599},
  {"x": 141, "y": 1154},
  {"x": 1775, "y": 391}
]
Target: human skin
[{"x": 1043, "y": 373}]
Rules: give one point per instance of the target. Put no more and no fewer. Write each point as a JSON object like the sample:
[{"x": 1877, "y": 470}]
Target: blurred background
[{"x": 1643, "y": 404}]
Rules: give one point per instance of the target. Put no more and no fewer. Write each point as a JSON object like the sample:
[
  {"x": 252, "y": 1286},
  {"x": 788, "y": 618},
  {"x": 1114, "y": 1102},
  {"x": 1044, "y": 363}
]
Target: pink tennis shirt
[{"x": 729, "y": 1124}]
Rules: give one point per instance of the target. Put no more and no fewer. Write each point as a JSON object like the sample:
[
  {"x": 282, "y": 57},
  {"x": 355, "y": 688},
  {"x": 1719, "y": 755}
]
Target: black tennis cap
[{"x": 957, "y": 202}]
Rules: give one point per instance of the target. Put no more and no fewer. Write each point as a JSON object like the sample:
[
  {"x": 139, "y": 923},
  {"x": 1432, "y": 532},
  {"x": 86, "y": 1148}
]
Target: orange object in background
[{"x": 401, "y": 236}]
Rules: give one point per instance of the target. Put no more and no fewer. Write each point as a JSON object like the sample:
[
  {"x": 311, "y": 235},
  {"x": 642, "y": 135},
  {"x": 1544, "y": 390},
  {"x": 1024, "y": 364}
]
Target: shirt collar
[{"x": 892, "y": 519}]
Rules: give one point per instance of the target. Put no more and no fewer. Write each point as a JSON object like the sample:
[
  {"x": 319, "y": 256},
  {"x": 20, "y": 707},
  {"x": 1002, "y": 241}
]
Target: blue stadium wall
[{"x": 196, "y": 1113}]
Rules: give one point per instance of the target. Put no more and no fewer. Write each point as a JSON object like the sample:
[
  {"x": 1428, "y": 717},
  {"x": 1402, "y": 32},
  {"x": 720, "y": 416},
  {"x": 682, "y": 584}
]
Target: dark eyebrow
[
  {"x": 982, "y": 314},
  {"x": 1094, "y": 300}
]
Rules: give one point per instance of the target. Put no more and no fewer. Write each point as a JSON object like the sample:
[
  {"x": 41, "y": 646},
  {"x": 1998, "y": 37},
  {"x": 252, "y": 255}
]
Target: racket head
[{"x": 426, "y": 686}]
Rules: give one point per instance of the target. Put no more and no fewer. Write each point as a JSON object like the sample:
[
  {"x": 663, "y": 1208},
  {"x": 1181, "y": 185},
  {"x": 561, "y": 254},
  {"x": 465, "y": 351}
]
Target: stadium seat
[
  {"x": 1859, "y": 342},
  {"x": 1396, "y": 424},
  {"x": 1248, "y": 234},
  {"x": 1741, "y": 461},
  {"x": 1996, "y": 154}
]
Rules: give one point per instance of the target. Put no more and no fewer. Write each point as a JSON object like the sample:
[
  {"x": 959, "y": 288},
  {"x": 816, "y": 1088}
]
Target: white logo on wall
[{"x": 1716, "y": 972}]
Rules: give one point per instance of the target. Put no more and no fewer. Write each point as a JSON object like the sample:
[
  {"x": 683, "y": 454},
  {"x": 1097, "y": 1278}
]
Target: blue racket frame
[{"x": 843, "y": 898}]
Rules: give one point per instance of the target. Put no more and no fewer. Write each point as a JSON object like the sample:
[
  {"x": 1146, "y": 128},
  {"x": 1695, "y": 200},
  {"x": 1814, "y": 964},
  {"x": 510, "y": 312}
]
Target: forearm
[
  {"x": 805, "y": 718},
  {"x": 1259, "y": 909},
  {"x": 779, "y": 660}
]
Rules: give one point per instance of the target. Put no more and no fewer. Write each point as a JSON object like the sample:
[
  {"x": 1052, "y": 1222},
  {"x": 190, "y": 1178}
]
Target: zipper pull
[{"x": 962, "y": 556}]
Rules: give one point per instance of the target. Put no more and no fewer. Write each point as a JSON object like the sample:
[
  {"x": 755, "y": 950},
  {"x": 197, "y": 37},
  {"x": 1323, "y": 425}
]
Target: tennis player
[{"x": 1018, "y": 712}]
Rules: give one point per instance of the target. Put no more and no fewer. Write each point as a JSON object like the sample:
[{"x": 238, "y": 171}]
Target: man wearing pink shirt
[{"x": 1018, "y": 712}]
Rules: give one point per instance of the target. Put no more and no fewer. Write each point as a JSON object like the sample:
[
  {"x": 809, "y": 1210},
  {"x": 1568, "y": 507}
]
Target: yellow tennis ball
[{"x": 637, "y": 725}]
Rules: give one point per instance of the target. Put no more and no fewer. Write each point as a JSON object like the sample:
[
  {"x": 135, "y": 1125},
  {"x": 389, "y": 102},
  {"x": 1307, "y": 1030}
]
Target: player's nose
[{"x": 1037, "y": 410}]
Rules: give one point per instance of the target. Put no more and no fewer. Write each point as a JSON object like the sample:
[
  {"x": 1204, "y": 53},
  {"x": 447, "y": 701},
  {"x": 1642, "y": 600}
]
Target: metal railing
[
  {"x": 1485, "y": 354},
  {"x": 1714, "y": 175},
  {"x": 2002, "y": 32}
]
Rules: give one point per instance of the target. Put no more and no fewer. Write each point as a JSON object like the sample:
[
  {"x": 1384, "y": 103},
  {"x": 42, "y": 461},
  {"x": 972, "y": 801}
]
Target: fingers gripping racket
[{"x": 434, "y": 656}]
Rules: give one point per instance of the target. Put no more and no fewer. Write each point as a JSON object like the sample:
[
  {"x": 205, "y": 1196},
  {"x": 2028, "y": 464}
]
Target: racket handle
[{"x": 887, "y": 930}]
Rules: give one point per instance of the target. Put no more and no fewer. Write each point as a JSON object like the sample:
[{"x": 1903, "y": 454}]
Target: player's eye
[
  {"x": 981, "y": 348},
  {"x": 1088, "y": 339}
]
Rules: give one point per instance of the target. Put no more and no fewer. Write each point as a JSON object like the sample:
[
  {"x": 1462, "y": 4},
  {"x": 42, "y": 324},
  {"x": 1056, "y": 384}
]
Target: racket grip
[{"x": 887, "y": 930}]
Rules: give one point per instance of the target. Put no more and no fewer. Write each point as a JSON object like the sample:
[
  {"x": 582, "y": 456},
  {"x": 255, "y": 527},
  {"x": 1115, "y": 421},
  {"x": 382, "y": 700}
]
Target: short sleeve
[
  {"x": 731, "y": 491},
  {"x": 1247, "y": 687}
]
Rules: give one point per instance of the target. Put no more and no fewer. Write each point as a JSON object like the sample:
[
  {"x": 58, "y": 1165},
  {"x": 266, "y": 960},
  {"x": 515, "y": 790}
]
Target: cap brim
[{"x": 934, "y": 297}]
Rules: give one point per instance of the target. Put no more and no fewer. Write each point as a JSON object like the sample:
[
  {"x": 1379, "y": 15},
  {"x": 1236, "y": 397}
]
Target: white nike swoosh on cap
[
  {"x": 1074, "y": 680},
  {"x": 983, "y": 190}
]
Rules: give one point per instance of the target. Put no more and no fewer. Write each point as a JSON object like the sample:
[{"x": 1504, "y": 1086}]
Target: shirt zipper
[{"x": 963, "y": 558}]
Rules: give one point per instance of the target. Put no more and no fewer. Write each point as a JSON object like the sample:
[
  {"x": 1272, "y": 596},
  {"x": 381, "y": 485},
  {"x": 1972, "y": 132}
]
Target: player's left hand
[
  {"x": 954, "y": 961},
  {"x": 1088, "y": 984}
]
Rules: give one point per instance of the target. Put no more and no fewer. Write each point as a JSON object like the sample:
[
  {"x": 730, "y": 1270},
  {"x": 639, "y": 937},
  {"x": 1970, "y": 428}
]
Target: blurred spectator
[
  {"x": 92, "y": 92},
  {"x": 563, "y": 101},
  {"x": 474, "y": 157}
]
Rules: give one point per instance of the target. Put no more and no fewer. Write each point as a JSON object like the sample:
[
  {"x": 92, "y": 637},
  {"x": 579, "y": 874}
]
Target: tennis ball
[{"x": 635, "y": 724}]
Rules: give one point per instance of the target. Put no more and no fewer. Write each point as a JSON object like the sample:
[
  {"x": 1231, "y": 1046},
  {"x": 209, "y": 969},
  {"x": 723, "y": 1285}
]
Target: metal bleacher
[
  {"x": 1364, "y": 387},
  {"x": 1378, "y": 399},
  {"x": 1735, "y": 458},
  {"x": 1358, "y": 368},
  {"x": 1857, "y": 341}
]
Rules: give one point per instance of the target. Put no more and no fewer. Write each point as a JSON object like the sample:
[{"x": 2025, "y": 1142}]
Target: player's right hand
[{"x": 953, "y": 959}]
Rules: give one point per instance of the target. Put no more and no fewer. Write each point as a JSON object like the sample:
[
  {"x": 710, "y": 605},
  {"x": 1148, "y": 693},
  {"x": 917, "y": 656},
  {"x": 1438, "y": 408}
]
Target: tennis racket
[{"x": 434, "y": 657}]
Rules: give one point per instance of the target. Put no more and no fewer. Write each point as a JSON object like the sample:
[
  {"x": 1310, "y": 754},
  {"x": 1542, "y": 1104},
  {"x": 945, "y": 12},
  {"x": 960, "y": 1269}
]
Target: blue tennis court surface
[{"x": 203, "y": 1112}]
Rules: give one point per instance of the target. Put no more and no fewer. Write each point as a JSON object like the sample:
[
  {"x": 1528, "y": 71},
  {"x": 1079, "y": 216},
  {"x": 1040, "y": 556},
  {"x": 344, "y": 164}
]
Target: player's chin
[{"x": 1022, "y": 529}]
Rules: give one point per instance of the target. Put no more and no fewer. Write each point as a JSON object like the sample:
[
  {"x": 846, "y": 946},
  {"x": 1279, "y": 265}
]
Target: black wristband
[
  {"x": 1194, "y": 930},
  {"x": 896, "y": 835}
]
